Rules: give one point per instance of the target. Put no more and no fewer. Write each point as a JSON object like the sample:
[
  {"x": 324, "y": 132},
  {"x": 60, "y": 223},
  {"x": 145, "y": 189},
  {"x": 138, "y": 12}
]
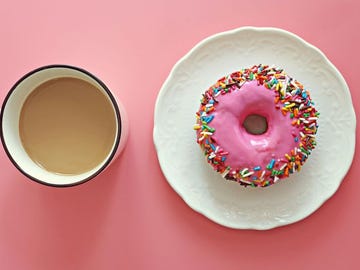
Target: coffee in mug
[{"x": 62, "y": 126}]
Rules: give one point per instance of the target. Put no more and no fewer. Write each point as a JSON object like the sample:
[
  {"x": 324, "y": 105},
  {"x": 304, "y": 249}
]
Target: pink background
[{"x": 129, "y": 217}]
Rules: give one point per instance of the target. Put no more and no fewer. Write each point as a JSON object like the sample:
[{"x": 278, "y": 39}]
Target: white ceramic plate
[{"x": 226, "y": 202}]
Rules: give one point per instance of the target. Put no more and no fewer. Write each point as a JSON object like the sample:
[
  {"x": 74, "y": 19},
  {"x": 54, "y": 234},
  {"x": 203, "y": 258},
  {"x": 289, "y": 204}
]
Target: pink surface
[{"x": 129, "y": 217}]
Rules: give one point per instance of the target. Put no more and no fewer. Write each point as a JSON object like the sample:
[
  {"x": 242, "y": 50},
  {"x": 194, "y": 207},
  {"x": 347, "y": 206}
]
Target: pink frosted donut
[{"x": 242, "y": 153}]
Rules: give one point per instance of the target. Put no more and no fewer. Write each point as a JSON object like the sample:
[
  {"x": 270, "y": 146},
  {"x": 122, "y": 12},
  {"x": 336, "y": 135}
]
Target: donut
[{"x": 256, "y": 126}]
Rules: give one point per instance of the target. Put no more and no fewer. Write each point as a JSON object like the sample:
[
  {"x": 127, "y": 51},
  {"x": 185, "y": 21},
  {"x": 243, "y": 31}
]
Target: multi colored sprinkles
[{"x": 291, "y": 99}]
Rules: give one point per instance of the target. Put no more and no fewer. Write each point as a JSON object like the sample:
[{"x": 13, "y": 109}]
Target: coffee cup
[{"x": 62, "y": 126}]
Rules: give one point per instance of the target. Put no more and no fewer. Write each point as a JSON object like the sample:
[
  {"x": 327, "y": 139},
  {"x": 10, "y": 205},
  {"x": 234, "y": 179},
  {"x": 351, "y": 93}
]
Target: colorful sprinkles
[{"x": 291, "y": 99}]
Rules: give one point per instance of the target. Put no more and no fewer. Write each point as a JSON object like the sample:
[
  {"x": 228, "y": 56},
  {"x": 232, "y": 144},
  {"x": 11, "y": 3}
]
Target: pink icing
[{"x": 247, "y": 150}]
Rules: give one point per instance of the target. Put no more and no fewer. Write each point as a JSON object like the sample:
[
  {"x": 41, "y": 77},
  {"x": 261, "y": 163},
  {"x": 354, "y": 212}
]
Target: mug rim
[{"x": 113, "y": 102}]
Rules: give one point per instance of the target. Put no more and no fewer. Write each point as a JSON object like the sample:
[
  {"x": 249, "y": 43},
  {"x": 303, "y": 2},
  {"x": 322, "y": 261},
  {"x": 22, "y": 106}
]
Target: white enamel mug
[{"x": 10, "y": 116}]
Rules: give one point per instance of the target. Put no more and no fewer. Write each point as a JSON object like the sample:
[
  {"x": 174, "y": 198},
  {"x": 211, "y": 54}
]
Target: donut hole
[{"x": 255, "y": 124}]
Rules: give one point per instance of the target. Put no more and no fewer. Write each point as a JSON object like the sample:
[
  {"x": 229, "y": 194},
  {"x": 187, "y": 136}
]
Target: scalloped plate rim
[{"x": 168, "y": 80}]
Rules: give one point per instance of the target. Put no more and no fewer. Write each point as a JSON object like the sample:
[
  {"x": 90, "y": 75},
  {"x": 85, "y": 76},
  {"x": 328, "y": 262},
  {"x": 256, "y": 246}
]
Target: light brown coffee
[{"x": 67, "y": 126}]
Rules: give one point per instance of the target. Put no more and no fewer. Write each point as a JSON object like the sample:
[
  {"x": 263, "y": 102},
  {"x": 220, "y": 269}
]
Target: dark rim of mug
[{"x": 113, "y": 101}]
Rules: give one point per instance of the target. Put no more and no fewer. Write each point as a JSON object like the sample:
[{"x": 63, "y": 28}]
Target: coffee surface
[{"x": 67, "y": 126}]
